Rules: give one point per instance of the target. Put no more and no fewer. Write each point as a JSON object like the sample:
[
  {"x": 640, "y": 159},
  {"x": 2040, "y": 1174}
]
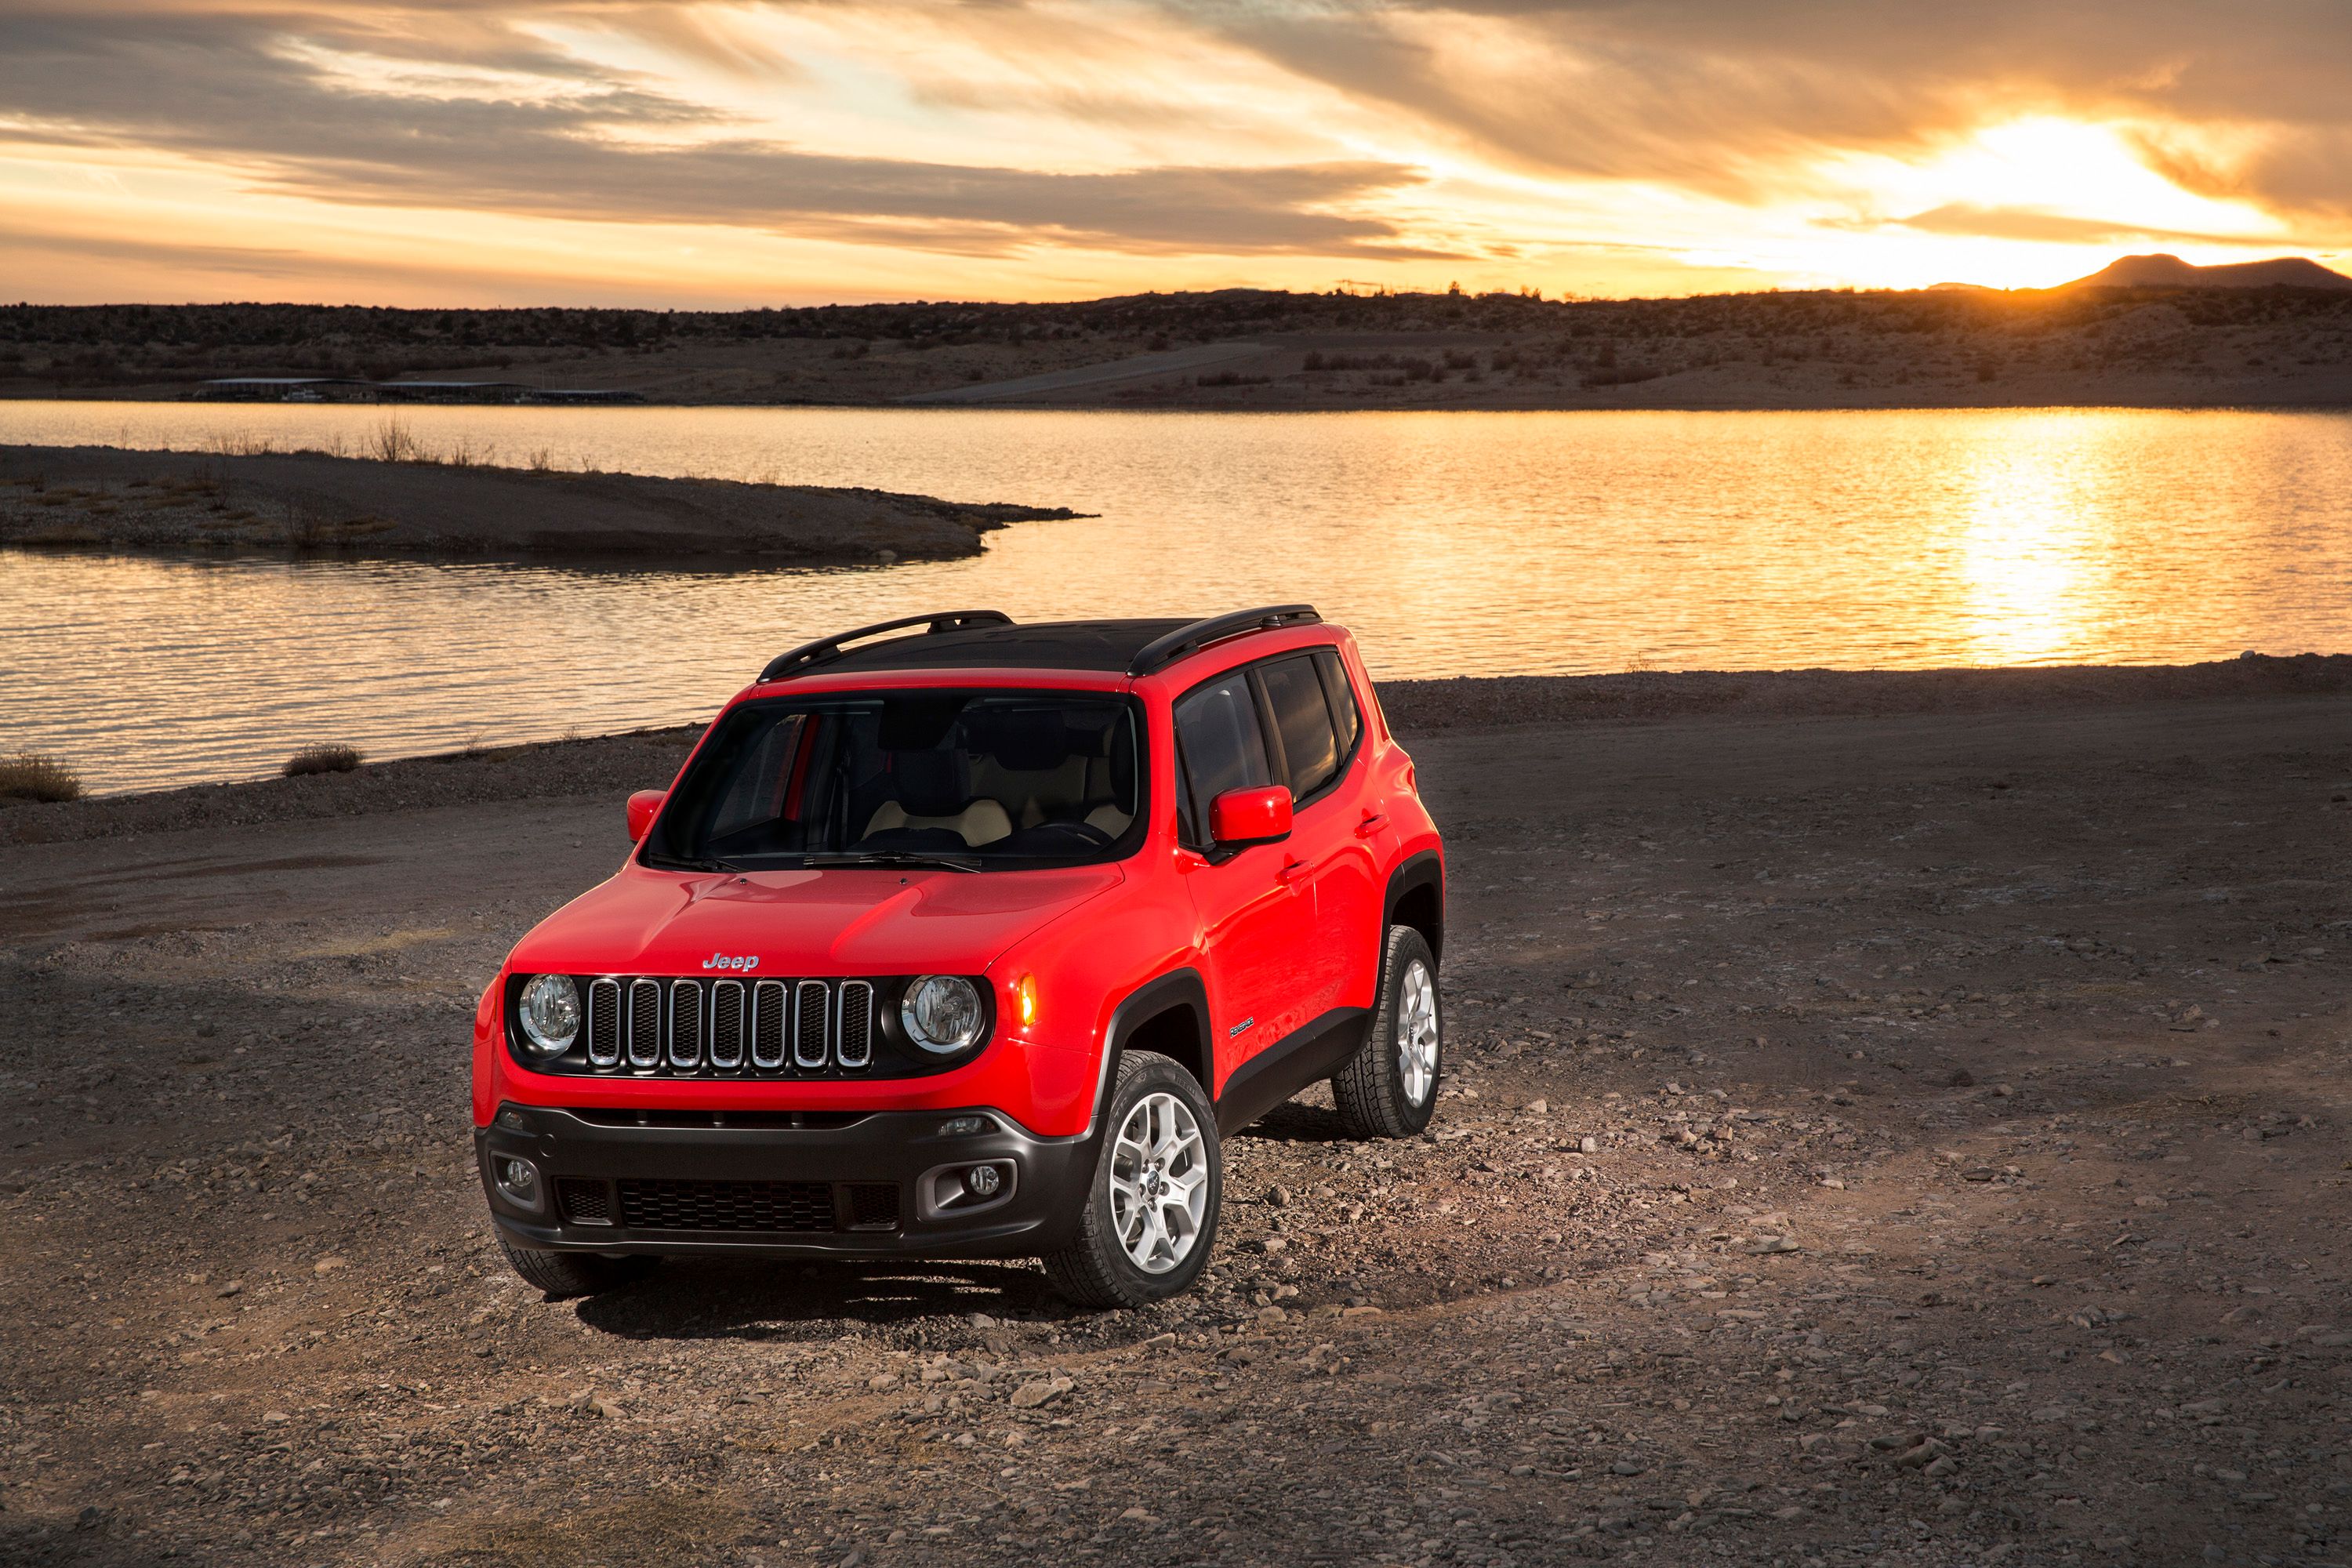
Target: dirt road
[{"x": 1912, "y": 1139}]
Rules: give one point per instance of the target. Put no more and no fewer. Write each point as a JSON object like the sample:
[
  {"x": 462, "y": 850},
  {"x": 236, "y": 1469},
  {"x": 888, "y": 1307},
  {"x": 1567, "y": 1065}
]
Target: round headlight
[
  {"x": 941, "y": 1013},
  {"x": 550, "y": 1014}
]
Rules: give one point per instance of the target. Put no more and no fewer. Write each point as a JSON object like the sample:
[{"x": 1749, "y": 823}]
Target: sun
[{"x": 2026, "y": 203}]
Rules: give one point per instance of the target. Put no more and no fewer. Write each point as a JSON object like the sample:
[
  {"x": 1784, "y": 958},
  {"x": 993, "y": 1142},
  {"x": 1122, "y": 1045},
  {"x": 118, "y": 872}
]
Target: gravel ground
[{"x": 1892, "y": 1138}]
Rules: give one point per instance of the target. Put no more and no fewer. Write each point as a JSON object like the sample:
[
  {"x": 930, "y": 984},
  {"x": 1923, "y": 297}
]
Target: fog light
[
  {"x": 963, "y": 1126},
  {"x": 948, "y": 1192},
  {"x": 518, "y": 1179}
]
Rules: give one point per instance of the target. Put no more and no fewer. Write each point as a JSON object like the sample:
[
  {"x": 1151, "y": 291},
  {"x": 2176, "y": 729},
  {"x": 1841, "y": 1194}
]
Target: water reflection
[
  {"x": 1454, "y": 543},
  {"x": 2031, "y": 551}
]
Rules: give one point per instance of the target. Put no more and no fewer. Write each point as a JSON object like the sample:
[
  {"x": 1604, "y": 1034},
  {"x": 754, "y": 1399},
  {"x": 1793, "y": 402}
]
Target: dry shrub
[
  {"x": 322, "y": 760},
  {"x": 464, "y": 454},
  {"x": 30, "y": 775},
  {"x": 392, "y": 442},
  {"x": 302, "y": 526}
]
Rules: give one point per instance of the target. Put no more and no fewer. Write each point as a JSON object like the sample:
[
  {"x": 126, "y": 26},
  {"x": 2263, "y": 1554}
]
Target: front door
[
  {"x": 1314, "y": 728},
  {"x": 1258, "y": 924}
]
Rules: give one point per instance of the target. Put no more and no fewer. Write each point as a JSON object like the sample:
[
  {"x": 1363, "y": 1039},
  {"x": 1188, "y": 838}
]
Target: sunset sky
[{"x": 504, "y": 151}]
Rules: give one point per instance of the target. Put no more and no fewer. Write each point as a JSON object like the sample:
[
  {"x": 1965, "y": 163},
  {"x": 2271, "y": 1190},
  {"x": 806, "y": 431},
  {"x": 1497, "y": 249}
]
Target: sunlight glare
[{"x": 2026, "y": 547}]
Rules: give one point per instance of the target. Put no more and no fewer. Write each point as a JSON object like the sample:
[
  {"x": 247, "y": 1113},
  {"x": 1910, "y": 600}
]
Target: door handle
[
  {"x": 1373, "y": 822},
  {"x": 1292, "y": 871}
]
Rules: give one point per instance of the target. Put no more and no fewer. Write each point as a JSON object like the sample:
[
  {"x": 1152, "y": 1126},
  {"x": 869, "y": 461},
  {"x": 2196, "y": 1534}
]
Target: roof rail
[
  {"x": 811, "y": 654},
  {"x": 1189, "y": 639}
]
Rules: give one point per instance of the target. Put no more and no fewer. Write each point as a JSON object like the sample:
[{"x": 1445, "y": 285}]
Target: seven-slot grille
[{"x": 688, "y": 1028}]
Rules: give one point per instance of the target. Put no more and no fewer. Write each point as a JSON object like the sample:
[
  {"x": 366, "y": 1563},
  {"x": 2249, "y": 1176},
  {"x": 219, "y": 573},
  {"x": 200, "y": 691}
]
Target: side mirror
[
  {"x": 644, "y": 806},
  {"x": 1241, "y": 817}
]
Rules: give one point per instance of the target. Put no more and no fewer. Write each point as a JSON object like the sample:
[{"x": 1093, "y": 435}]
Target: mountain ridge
[{"x": 2160, "y": 271}]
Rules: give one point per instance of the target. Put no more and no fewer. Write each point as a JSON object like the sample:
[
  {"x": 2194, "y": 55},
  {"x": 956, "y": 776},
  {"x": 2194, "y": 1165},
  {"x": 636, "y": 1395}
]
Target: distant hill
[
  {"x": 2171, "y": 272},
  {"x": 1270, "y": 349}
]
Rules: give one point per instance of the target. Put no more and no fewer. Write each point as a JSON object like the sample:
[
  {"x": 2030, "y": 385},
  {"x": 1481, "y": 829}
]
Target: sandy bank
[
  {"x": 1922, "y": 1128},
  {"x": 105, "y": 497},
  {"x": 1421, "y": 706},
  {"x": 609, "y": 766}
]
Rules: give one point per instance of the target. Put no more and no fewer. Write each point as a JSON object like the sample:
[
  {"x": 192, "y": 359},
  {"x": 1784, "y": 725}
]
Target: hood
[{"x": 828, "y": 921}]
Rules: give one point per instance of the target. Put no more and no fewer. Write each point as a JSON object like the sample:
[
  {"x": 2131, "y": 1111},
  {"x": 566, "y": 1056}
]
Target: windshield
[{"x": 967, "y": 780}]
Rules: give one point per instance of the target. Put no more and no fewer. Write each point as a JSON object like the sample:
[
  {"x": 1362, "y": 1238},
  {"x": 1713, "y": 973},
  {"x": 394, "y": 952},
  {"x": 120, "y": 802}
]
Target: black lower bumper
[{"x": 890, "y": 1185}]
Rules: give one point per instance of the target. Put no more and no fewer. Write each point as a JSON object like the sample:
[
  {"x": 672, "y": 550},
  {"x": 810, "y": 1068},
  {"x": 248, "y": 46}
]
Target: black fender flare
[
  {"x": 1177, "y": 988},
  {"x": 1423, "y": 869}
]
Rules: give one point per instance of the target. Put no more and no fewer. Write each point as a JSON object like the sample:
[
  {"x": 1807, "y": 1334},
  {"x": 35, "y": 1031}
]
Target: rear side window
[
  {"x": 1223, "y": 748},
  {"x": 1302, "y": 717},
  {"x": 1343, "y": 700}
]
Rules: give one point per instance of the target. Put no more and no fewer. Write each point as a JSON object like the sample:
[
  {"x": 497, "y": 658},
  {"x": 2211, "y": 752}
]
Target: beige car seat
[{"x": 984, "y": 821}]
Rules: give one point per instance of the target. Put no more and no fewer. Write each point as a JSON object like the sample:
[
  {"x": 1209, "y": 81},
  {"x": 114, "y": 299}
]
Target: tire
[
  {"x": 561, "y": 1274},
  {"x": 1118, "y": 1259},
  {"x": 1388, "y": 1088}
]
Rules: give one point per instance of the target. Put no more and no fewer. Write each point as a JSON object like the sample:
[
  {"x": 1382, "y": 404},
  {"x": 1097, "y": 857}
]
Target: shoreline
[
  {"x": 647, "y": 757},
  {"x": 304, "y": 503},
  {"x": 1146, "y": 400}
]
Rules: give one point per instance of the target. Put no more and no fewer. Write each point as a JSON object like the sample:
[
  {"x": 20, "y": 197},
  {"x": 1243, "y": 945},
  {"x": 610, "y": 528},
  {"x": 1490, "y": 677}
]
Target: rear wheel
[
  {"x": 574, "y": 1273},
  {"x": 1388, "y": 1088},
  {"x": 1158, "y": 1184}
]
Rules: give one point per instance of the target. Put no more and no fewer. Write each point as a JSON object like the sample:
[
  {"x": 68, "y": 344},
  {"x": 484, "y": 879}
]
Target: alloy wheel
[
  {"x": 1416, "y": 1034},
  {"x": 1158, "y": 1182}
]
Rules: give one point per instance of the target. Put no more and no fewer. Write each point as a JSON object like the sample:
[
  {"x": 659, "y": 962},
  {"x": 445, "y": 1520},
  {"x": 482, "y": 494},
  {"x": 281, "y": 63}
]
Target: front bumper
[{"x": 886, "y": 1184}]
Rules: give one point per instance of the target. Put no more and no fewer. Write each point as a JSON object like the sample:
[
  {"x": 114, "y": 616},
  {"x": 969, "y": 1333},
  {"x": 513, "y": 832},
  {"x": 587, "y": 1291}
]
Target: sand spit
[{"x": 307, "y": 502}]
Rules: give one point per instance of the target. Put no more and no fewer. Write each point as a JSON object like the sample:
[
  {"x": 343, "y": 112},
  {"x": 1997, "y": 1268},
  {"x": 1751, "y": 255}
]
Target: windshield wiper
[
  {"x": 687, "y": 863},
  {"x": 892, "y": 857}
]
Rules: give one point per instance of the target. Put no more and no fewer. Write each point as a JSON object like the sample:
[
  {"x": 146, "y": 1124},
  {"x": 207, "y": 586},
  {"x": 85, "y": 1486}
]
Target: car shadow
[
  {"x": 1291, "y": 1122},
  {"x": 759, "y": 1300}
]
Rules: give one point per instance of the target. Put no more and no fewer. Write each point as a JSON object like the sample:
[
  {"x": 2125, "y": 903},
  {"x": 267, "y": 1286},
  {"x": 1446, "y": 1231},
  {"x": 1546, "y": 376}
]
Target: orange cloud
[{"x": 818, "y": 148}]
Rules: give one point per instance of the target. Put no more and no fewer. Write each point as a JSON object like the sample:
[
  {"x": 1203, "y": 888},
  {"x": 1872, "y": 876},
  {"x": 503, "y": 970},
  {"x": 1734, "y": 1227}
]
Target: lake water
[{"x": 1453, "y": 543}]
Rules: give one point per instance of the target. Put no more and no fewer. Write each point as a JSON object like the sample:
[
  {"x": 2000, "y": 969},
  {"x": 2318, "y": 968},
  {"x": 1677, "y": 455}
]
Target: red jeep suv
[{"x": 973, "y": 941}]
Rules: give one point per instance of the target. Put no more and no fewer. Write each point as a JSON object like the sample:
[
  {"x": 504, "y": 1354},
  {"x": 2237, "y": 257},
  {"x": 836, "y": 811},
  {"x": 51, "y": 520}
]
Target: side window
[
  {"x": 1220, "y": 744},
  {"x": 1294, "y": 691},
  {"x": 1343, "y": 700}
]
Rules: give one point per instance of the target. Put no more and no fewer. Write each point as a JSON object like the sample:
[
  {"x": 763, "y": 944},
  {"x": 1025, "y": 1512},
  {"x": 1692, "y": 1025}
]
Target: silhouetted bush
[
  {"x": 30, "y": 775},
  {"x": 322, "y": 760}
]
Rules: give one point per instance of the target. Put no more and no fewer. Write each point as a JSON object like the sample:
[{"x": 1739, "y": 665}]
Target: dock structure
[
  {"x": 349, "y": 389},
  {"x": 285, "y": 389}
]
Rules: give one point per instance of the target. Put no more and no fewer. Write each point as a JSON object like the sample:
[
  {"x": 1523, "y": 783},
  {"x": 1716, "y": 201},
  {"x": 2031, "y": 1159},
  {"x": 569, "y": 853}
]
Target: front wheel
[
  {"x": 1152, "y": 1204},
  {"x": 1388, "y": 1089}
]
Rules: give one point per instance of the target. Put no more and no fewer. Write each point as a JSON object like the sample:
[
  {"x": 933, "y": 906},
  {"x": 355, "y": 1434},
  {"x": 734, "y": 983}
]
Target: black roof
[
  {"x": 966, "y": 639},
  {"x": 1042, "y": 645}
]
